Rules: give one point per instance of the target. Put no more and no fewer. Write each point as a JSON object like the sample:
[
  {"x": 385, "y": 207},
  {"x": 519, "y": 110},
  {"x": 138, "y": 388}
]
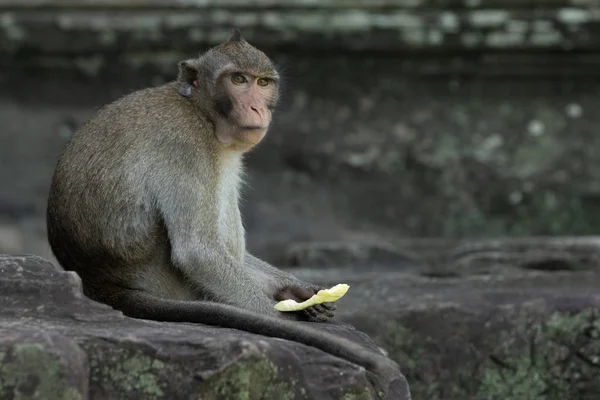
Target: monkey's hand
[{"x": 318, "y": 313}]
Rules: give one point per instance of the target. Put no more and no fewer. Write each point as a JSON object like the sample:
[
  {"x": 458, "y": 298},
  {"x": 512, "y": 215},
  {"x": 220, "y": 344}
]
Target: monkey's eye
[
  {"x": 262, "y": 82},
  {"x": 238, "y": 79}
]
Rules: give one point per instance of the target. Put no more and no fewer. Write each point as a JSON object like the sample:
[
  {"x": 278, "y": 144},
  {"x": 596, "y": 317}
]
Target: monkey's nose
[{"x": 259, "y": 111}]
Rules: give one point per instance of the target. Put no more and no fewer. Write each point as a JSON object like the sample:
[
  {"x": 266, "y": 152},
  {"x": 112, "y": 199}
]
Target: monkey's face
[
  {"x": 238, "y": 86},
  {"x": 245, "y": 100}
]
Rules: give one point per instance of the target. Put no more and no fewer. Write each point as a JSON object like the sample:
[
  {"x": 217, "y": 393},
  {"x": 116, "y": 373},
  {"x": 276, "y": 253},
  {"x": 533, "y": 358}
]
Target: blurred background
[{"x": 400, "y": 119}]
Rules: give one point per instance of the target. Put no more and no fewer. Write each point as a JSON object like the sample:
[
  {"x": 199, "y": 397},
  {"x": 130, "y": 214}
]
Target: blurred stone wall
[{"x": 419, "y": 118}]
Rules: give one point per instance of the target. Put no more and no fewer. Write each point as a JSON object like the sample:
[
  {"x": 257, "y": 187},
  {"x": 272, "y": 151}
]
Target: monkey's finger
[
  {"x": 311, "y": 312},
  {"x": 320, "y": 313},
  {"x": 319, "y": 308},
  {"x": 330, "y": 306},
  {"x": 328, "y": 313},
  {"x": 314, "y": 316}
]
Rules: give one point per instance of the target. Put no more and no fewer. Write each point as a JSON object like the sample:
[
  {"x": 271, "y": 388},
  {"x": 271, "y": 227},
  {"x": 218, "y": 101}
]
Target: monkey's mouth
[{"x": 253, "y": 128}]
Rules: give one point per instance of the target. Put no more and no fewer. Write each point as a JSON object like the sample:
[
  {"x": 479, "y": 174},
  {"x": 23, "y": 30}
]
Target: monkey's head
[{"x": 238, "y": 86}]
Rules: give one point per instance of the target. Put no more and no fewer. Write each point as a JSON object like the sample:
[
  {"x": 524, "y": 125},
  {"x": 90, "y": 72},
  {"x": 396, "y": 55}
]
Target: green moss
[
  {"x": 553, "y": 214},
  {"x": 529, "y": 359},
  {"x": 407, "y": 349},
  {"x": 249, "y": 380},
  {"x": 29, "y": 371},
  {"x": 462, "y": 219},
  {"x": 357, "y": 394},
  {"x": 544, "y": 212},
  {"x": 127, "y": 371},
  {"x": 559, "y": 360}
]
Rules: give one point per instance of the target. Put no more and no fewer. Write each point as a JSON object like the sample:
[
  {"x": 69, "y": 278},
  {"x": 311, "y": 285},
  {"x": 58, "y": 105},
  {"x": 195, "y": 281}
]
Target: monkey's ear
[
  {"x": 236, "y": 36},
  {"x": 188, "y": 75},
  {"x": 188, "y": 71}
]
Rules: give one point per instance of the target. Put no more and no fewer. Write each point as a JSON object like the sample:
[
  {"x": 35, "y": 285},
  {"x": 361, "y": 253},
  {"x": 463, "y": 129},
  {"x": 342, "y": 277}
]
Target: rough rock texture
[
  {"x": 467, "y": 320},
  {"x": 55, "y": 344},
  {"x": 515, "y": 320}
]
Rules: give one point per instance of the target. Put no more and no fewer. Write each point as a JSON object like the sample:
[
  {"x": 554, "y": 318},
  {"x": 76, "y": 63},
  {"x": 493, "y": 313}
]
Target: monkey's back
[{"x": 101, "y": 214}]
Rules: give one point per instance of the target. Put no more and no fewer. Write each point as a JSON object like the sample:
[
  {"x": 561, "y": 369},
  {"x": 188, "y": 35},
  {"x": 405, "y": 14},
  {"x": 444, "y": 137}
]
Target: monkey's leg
[{"x": 290, "y": 287}]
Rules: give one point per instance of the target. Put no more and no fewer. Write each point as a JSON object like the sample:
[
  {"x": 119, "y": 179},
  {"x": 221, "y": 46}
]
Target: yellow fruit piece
[{"x": 322, "y": 296}]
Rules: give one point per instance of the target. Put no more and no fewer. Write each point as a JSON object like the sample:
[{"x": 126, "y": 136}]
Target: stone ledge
[
  {"x": 497, "y": 332},
  {"x": 44, "y": 316},
  {"x": 58, "y": 27},
  {"x": 316, "y": 4}
]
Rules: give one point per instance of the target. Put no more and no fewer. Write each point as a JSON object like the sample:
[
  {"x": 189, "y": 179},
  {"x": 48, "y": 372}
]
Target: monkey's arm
[
  {"x": 282, "y": 278},
  {"x": 198, "y": 250},
  {"x": 268, "y": 269}
]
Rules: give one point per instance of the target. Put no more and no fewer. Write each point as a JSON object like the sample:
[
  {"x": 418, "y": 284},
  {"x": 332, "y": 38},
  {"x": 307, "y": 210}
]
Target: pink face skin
[{"x": 249, "y": 115}]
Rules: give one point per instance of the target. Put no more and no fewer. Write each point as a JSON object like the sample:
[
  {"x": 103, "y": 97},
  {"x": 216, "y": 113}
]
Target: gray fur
[{"x": 144, "y": 207}]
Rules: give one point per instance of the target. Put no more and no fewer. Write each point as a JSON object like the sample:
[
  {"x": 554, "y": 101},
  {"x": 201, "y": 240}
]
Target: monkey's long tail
[{"x": 386, "y": 372}]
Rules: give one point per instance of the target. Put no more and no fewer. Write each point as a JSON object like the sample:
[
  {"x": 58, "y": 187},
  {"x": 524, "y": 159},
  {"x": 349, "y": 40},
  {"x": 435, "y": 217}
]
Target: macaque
[{"x": 144, "y": 206}]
